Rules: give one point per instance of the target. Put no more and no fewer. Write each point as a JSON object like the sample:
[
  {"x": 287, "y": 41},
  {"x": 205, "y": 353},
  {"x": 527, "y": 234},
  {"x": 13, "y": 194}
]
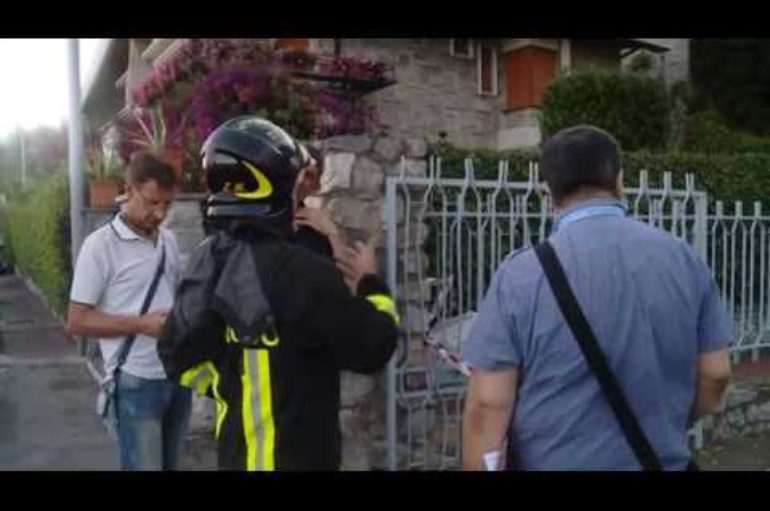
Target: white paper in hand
[{"x": 492, "y": 460}]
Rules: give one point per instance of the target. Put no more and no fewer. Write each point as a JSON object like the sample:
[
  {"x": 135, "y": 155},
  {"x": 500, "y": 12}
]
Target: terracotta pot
[
  {"x": 175, "y": 158},
  {"x": 102, "y": 192},
  {"x": 298, "y": 44}
]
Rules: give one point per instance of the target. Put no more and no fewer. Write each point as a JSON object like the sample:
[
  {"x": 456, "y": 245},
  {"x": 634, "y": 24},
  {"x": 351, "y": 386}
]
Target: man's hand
[
  {"x": 356, "y": 262},
  {"x": 87, "y": 321},
  {"x": 151, "y": 324},
  {"x": 318, "y": 219}
]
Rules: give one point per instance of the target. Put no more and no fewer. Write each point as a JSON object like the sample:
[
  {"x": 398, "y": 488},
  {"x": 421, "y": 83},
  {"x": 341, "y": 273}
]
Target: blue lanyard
[{"x": 589, "y": 212}]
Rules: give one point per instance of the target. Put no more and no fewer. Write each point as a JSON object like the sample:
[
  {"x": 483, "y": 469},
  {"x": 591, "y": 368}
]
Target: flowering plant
[
  {"x": 194, "y": 61},
  {"x": 156, "y": 129},
  {"x": 214, "y": 80},
  {"x": 101, "y": 163},
  {"x": 353, "y": 68}
]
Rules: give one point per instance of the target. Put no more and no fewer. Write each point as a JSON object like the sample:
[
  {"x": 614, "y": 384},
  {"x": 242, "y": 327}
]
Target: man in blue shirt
[{"x": 651, "y": 302}]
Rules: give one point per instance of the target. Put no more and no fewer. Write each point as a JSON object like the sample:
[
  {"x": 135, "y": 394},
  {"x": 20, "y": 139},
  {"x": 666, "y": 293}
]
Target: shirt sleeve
[
  {"x": 714, "y": 325},
  {"x": 91, "y": 275},
  {"x": 492, "y": 343}
]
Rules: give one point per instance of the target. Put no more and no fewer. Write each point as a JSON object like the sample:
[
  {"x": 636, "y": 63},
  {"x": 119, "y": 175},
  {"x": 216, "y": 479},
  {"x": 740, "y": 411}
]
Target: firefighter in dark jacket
[{"x": 264, "y": 326}]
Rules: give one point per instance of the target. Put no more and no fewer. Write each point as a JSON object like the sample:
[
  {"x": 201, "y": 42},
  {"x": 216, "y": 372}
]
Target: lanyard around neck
[{"x": 617, "y": 210}]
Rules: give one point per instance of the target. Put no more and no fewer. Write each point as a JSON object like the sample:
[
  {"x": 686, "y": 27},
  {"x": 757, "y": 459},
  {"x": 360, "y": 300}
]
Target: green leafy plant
[
  {"x": 155, "y": 129},
  {"x": 633, "y": 107},
  {"x": 727, "y": 177},
  {"x": 102, "y": 163},
  {"x": 732, "y": 76},
  {"x": 36, "y": 230}
]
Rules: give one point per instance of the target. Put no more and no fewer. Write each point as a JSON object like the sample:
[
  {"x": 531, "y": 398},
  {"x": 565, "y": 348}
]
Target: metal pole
[
  {"x": 76, "y": 179},
  {"x": 23, "y": 153},
  {"x": 390, "y": 408}
]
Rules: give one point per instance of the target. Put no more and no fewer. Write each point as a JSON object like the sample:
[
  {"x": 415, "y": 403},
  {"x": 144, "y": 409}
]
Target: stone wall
[
  {"x": 185, "y": 220},
  {"x": 353, "y": 190},
  {"x": 747, "y": 411},
  {"x": 435, "y": 91}
]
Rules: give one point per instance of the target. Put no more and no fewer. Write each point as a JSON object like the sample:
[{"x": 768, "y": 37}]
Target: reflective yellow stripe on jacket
[
  {"x": 385, "y": 303},
  {"x": 258, "y": 422},
  {"x": 202, "y": 377}
]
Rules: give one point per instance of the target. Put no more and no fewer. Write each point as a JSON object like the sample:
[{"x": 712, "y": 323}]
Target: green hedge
[
  {"x": 733, "y": 77},
  {"x": 485, "y": 161},
  {"x": 633, "y": 107},
  {"x": 727, "y": 177},
  {"x": 36, "y": 230},
  {"x": 706, "y": 132}
]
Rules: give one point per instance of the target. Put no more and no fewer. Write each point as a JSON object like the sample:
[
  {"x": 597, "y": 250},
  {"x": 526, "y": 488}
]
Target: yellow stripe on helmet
[{"x": 264, "y": 186}]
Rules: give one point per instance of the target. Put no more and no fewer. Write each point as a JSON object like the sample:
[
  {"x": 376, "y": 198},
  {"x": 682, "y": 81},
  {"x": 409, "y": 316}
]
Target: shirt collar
[
  {"x": 123, "y": 231},
  {"x": 587, "y": 204}
]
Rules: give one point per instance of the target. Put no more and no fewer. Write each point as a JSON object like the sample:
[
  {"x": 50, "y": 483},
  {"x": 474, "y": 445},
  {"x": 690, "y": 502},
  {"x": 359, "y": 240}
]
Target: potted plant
[
  {"x": 105, "y": 177},
  {"x": 159, "y": 130}
]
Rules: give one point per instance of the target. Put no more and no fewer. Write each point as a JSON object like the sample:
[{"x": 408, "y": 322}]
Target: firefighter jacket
[{"x": 264, "y": 327}]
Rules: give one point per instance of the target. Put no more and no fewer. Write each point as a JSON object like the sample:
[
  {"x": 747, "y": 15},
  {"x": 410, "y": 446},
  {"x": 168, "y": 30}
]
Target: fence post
[{"x": 390, "y": 405}]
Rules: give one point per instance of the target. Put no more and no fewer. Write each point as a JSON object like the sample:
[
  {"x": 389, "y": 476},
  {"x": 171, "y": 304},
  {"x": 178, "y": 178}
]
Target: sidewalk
[{"x": 47, "y": 396}]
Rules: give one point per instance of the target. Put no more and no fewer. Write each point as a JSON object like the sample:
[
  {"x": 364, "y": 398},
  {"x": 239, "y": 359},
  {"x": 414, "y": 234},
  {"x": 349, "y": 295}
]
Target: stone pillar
[
  {"x": 185, "y": 220},
  {"x": 353, "y": 190}
]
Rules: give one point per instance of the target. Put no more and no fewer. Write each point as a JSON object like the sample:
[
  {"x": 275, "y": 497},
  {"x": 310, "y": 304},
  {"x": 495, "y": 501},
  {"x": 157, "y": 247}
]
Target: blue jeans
[{"x": 152, "y": 418}]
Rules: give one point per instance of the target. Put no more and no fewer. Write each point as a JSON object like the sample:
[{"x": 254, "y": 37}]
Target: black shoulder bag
[
  {"x": 106, "y": 400},
  {"x": 596, "y": 360}
]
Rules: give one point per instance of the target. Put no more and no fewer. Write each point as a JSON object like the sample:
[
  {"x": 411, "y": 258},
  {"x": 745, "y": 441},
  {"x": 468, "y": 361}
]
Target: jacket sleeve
[
  {"x": 361, "y": 331},
  {"x": 192, "y": 336}
]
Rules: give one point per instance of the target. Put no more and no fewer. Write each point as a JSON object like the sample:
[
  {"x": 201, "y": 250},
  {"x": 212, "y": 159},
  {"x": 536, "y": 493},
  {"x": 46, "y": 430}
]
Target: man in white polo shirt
[{"x": 115, "y": 268}]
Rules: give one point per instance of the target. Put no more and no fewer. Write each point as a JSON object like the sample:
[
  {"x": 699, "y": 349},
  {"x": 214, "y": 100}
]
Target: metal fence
[
  {"x": 738, "y": 257},
  {"x": 446, "y": 237}
]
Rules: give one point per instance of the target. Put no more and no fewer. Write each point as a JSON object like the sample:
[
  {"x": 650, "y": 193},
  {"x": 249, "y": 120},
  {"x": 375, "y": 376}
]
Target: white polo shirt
[{"x": 114, "y": 271}]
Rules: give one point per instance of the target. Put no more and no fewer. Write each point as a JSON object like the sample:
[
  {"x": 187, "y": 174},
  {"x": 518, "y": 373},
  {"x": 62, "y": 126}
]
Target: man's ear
[
  {"x": 547, "y": 192},
  {"x": 619, "y": 184}
]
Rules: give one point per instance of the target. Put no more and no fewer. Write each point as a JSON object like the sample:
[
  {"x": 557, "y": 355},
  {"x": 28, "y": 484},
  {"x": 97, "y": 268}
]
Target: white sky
[{"x": 34, "y": 88}]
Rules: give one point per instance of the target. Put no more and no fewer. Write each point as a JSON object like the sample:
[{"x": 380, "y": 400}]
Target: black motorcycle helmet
[{"x": 251, "y": 166}]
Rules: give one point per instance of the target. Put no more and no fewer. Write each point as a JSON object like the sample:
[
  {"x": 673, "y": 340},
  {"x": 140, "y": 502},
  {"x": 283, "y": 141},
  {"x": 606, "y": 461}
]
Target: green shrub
[
  {"x": 749, "y": 143},
  {"x": 36, "y": 230},
  {"x": 485, "y": 161},
  {"x": 706, "y": 132},
  {"x": 733, "y": 77},
  {"x": 728, "y": 177},
  {"x": 633, "y": 107}
]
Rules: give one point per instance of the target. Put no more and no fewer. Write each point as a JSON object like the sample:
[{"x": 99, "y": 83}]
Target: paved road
[
  {"x": 46, "y": 394},
  {"x": 47, "y": 419}
]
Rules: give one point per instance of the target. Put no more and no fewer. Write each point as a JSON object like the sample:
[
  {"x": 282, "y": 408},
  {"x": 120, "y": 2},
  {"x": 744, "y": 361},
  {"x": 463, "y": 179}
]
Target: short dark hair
[
  {"x": 580, "y": 157},
  {"x": 145, "y": 166}
]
